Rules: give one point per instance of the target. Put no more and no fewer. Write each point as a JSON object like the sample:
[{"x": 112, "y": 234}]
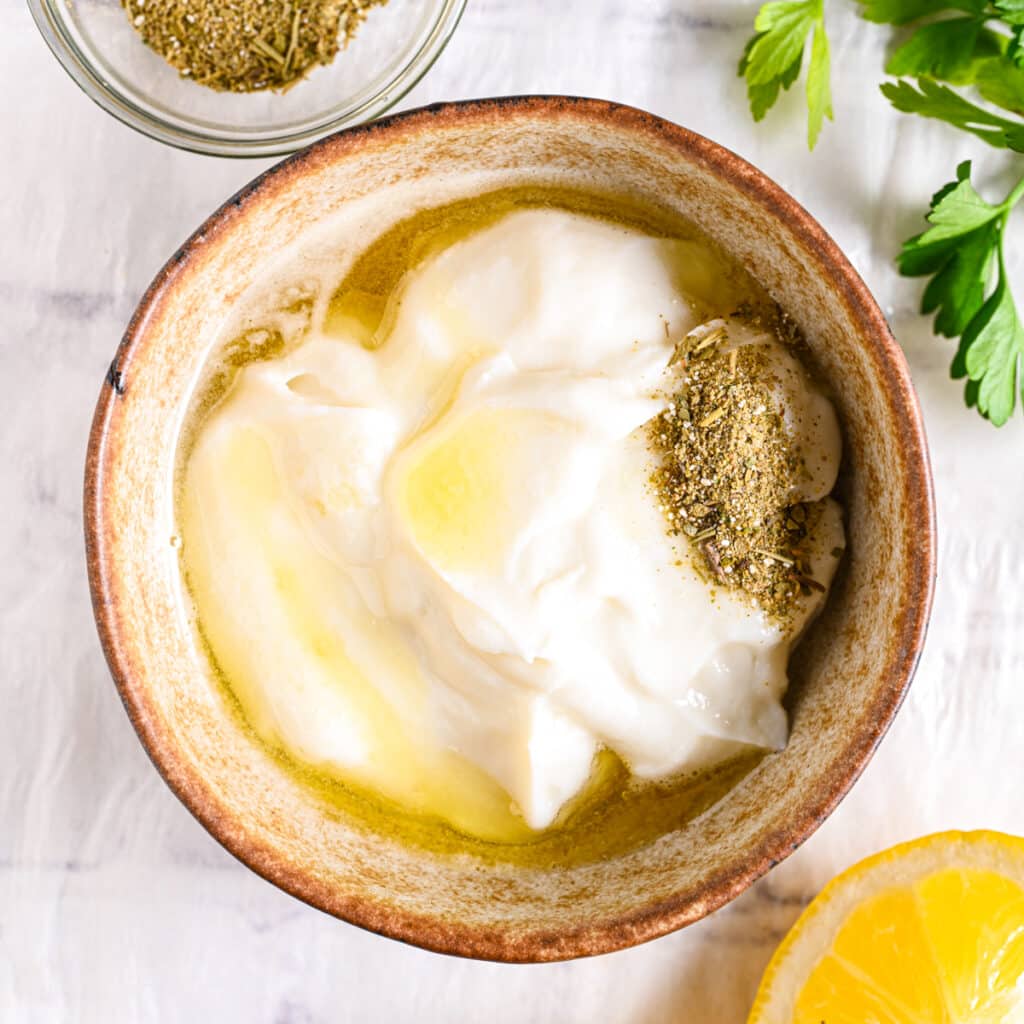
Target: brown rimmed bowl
[{"x": 849, "y": 675}]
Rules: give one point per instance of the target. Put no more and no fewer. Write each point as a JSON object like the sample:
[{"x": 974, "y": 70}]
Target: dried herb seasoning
[
  {"x": 246, "y": 45},
  {"x": 728, "y": 468}
]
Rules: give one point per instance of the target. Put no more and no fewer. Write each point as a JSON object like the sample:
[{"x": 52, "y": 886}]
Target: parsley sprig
[
  {"x": 930, "y": 99},
  {"x": 962, "y": 63},
  {"x": 977, "y": 43},
  {"x": 961, "y": 251},
  {"x": 773, "y": 56}
]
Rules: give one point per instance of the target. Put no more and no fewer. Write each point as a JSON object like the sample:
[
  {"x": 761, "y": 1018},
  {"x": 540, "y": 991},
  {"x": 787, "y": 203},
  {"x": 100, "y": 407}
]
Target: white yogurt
[{"x": 438, "y": 569}]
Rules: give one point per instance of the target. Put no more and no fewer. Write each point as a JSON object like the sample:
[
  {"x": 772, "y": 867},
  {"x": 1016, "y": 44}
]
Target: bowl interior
[
  {"x": 391, "y": 49},
  {"x": 848, "y": 676}
]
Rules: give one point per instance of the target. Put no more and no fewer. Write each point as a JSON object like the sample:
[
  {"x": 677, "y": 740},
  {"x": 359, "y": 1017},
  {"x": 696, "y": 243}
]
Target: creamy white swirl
[{"x": 438, "y": 568}]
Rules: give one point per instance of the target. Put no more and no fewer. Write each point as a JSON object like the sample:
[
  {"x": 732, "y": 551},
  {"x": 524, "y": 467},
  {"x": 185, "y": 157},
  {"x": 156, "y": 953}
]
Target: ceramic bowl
[{"x": 848, "y": 676}]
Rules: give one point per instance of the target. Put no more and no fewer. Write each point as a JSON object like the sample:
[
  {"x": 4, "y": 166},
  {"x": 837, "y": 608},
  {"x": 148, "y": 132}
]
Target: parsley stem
[
  {"x": 1014, "y": 197},
  {"x": 1007, "y": 206}
]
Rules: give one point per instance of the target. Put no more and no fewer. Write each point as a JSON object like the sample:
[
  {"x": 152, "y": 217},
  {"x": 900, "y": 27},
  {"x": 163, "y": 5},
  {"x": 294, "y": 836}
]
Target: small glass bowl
[{"x": 99, "y": 48}]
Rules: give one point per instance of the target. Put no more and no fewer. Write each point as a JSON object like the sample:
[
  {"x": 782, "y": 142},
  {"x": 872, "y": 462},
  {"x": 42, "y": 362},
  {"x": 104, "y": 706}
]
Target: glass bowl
[{"x": 100, "y": 49}]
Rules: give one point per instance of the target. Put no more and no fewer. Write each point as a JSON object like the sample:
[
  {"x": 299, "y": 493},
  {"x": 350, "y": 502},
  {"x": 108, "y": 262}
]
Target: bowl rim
[
  {"x": 651, "y": 921},
  {"x": 241, "y": 144}
]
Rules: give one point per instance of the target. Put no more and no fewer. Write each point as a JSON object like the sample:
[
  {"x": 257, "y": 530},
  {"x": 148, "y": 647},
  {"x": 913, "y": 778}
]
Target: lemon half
[{"x": 929, "y": 932}]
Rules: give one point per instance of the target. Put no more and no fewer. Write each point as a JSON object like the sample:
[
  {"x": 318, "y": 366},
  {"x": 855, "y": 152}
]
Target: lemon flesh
[{"x": 931, "y": 932}]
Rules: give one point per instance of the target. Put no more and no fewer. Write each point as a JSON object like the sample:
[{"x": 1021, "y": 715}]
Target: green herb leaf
[
  {"x": 951, "y": 50},
  {"x": 992, "y": 347},
  {"x": 899, "y": 12},
  {"x": 782, "y": 28},
  {"x": 1011, "y": 11},
  {"x": 819, "y": 89},
  {"x": 957, "y": 292},
  {"x": 957, "y": 208},
  {"x": 762, "y": 97},
  {"x": 931, "y": 99},
  {"x": 944, "y": 49},
  {"x": 1015, "y": 47},
  {"x": 959, "y": 251},
  {"x": 773, "y": 56},
  {"x": 1001, "y": 82}
]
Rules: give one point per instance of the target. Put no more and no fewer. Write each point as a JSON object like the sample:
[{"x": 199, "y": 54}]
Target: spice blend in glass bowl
[{"x": 247, "y": 45}]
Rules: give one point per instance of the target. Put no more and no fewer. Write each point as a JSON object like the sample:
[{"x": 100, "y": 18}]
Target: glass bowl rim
[{"x": 238, "y": 142}]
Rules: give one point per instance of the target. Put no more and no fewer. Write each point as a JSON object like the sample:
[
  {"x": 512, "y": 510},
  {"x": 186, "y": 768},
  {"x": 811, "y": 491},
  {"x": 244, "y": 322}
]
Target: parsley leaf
[
  {"x": 957, "y": 208},
  {"x": 957, "y": 291},
  {"x": 1001, "y": 82},
  {"x": 819, "y": 89},
  {"x": 773, "y": 56},
  {"x": 762, "y": 97},
  {"x": 944, "y": 49},
  {"x": 960, "y": 249},
  {"x": 931, "y": 99},
  {"x": 990, "y": 353},
  {"x": 1011, "y": 11},
  {"x": 1015, "y": 47},
  {"x": 782, "y": 27},
  {"x": 899, "y": 12}
]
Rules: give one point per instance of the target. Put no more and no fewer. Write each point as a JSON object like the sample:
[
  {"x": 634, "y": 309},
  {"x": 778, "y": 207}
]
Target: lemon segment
[
  {"x": 865, "y": 973},
  {"x": 974, "y": 921},
  {"x": 930, "y": 932}
]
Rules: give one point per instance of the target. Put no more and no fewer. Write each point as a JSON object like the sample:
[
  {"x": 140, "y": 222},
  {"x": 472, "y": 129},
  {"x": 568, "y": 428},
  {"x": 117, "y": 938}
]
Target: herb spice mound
[
  {"x": 728, "y": 469},
  {"x": 246, "y": 45}
]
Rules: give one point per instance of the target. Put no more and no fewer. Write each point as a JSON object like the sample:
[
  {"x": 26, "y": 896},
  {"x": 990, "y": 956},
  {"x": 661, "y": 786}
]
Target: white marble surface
[{"x": 115, "y": 905}]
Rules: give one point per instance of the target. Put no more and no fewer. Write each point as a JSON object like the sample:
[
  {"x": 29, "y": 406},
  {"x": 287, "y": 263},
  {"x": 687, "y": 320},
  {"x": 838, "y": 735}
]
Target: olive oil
[
  {"x": 363, "y": 300},
  {"x": 614, "y": 814}
]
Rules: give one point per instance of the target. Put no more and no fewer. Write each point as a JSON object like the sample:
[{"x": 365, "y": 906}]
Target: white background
[{"x": 115, "y": 905}]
